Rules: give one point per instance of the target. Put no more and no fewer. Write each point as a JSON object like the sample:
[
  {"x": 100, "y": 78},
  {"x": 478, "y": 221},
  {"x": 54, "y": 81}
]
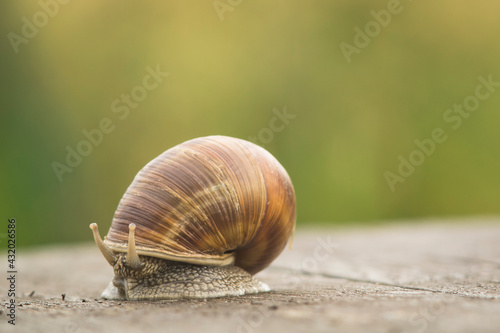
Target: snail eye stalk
[
  {"x": 105, "y": 250},
  {"x": 133, "y": 261}
]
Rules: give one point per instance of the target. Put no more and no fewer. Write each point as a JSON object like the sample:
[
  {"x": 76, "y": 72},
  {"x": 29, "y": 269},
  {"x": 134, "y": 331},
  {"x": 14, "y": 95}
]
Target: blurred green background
[{"x": 229, "y": 68}]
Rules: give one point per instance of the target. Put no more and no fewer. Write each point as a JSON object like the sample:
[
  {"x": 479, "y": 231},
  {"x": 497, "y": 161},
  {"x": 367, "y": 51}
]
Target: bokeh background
[{"x": 227, "y": 73}]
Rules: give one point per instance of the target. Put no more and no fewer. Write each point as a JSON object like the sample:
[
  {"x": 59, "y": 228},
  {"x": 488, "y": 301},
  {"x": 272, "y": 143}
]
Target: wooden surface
[{"x": 432, "y": 276}]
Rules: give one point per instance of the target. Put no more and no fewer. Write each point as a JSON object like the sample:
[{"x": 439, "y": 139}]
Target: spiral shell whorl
[{"x": 207, "y": 201}]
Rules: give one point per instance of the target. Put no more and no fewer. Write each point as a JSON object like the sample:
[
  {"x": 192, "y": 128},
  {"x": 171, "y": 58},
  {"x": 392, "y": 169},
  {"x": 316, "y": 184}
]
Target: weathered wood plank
[{"x": 426, "y": 277}]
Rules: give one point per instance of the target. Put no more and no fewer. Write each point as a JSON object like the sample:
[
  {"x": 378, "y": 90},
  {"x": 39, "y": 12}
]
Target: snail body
[{"x": 198, "y": 221}]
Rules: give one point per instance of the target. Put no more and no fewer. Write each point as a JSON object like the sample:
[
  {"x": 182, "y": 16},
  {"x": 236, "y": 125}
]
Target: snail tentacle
[
  {"x": 108, "y": 254},
  {"x": 133, "y": 261}
]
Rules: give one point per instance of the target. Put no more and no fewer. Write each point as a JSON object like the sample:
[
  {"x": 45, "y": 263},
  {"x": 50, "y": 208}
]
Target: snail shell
[{"x": 213, "y": 200}]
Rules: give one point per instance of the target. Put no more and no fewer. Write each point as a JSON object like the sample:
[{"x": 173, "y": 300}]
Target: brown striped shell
[{"x": 212, "y": 200}]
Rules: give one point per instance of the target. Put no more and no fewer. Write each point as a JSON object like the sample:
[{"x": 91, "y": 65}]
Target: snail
[{"x": 199, "y": 221}]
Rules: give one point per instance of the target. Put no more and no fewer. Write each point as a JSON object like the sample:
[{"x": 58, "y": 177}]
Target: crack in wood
[{"x": 388, "y": 284}]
